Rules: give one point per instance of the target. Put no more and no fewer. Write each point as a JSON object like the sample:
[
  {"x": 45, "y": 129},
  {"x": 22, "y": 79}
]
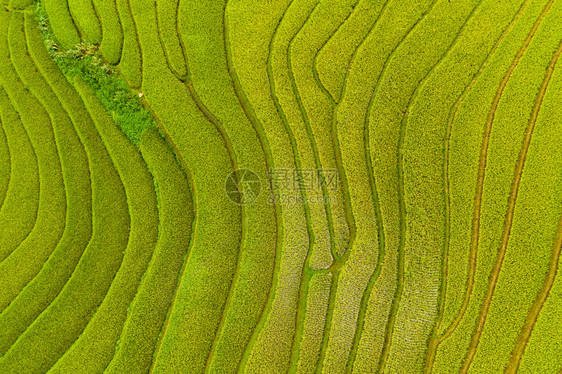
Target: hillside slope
[{"x": 282, "y": 186}]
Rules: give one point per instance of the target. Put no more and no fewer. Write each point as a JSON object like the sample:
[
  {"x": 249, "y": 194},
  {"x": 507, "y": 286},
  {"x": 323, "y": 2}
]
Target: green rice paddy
[{"x": 280, "y": 186}]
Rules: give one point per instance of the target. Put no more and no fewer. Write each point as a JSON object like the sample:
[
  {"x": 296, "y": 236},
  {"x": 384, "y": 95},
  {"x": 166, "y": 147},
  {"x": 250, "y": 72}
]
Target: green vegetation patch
[{"x": 85, "y": 60}]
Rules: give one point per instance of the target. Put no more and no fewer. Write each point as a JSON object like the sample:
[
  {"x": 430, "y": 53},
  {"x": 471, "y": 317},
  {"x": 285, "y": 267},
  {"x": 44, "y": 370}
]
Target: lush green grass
[{"x": 85, "y": 61}]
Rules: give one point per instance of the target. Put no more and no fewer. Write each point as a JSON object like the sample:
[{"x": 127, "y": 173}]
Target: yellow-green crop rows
[{"x": 280, "y": 186}]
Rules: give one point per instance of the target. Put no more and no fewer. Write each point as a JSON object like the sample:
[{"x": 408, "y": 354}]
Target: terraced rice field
[{"x": 280, "y": 186}]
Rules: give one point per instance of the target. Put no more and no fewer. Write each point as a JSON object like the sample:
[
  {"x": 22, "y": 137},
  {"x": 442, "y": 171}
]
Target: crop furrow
[
  {"x": 290, "y": 252},
  {"x": 149, "y": 308},
  {"x": 272, "y": 162},
  {"x": 428, "y": 189},
  {"x": 482, "y": 171},
  {"x": 62, "y": 22},
  {"x": 5, "y": 165},
  {"x": 393, "y": 318},
  {"x": 348, "y": 103},
  {"x": 18, "y": 214},
  {"x": 284, "y": 324},
  {"x": 512, "y": 198},
  {"x": 19, "y": 211},
  {"x": 338, "y": 235},
  {"x": 346, "y": 41},
  {"x": 438, "y": 338},
  {"x": 382, "y": 255},
  {"x": 123, "y": 250},
  {"x": 309, "y": 343},
  {"x": 538, "y": 305},
  {"x": 170, "y": 36},
  {"x": 252, "y": 276},
  {"x": 130, "y": 62},
  {"x": 197, "y": 305},
  {"x": 111, "y": 42},
  {"x": 36, "y": 295},
  {"x": 352, "y": 239},
  {"x": 58, "y": 326},
  {"x": 260, "y": 131},
  {"x": 318, "y": 109},
  {"x": 87, "y": 20},
  {"x": 25, "y": 261},
  {"x": 318, "y": 81},
  {"x": 322, "y": 250},
  {"x": 96, "y": 345}
]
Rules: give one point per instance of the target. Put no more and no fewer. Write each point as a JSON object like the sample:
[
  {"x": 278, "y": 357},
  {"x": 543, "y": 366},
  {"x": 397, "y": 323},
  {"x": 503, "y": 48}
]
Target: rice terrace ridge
[{"x": 280, "y": 186}]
